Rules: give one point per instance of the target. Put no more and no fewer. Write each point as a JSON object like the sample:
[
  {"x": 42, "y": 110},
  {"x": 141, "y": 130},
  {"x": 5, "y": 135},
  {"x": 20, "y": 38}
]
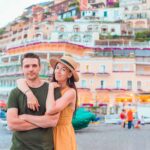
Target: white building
[
  {"x": 131, "y": 2},
  {"x": 106, "y": 14},
  {"x": 84, "y": 31},
  {"x": 136, "y": 13}
]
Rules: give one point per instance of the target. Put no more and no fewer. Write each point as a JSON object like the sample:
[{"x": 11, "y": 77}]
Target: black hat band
[{"x": 67, "y": 63}]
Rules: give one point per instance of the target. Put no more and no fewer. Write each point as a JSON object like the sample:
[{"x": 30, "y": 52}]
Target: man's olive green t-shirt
[{"x": 35, "y": 139}]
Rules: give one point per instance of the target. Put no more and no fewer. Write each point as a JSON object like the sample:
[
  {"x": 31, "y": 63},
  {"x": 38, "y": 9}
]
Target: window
[
  {"x": 83, "y": 13},
  {"x": 83, "y": 84},
  {"x": 102, "y": 84},
  {"x": 129, "y": 85},
  {"x": 92, "y": 82},
  {"x": 118, "y": 84},
  {"x": 139, "y": 85},
  {"x": 126, "y": 67},
  {"x": 105, "y": 13},
  {"x": 87, "y": 68},
  {"x": 89, "y": 28},
  {"x": 104, "y": 30},
  {"x": 74, "y": 13},
  {"x": 76, "y": 38},
  {"x": 87, "y": 38},
  {"x": 112, "y": 30},
  {"x": 102, "y": 68},
  {"x": 76, "y": 28},
  {"x": 115, "y": 68}
]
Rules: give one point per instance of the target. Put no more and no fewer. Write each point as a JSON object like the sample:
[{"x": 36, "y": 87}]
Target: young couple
[{"x": 35, "y": 106}]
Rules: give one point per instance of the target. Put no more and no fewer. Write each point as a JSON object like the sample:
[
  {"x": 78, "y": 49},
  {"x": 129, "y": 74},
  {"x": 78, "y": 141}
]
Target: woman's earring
[{"x": 69, "y": 81}]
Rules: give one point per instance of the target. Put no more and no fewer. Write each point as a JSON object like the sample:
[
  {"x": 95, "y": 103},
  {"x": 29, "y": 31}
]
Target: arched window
[
  {"x": 104, "y": 29},
  {"x": 76, "y": 38},
  {"x": 89, "y": 28},
  {"x": 60, "y": 28},
  {"x": 76, "y": 28},
  {"x": 87, "y": 38},
  {"x": 135, "y": 8}
]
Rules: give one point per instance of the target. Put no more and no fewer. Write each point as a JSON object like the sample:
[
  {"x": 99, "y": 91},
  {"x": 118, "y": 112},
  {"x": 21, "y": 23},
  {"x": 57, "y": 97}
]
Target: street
[{"x": 100, "y": 137}]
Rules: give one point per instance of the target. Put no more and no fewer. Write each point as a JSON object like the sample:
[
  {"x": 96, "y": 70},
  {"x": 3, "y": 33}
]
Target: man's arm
[
  {"x": 44, "y": 121},
  {"x": 17, "y": 124}
]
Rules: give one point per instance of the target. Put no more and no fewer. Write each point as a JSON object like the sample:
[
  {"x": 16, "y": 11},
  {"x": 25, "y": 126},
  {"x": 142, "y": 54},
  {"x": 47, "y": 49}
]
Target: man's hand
[
  {"x": 44, "y": 121},
  {"x": 17, "y": 124}
]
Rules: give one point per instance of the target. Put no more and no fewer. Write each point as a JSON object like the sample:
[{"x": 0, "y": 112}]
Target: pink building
[{"x": 112, "y": 2}]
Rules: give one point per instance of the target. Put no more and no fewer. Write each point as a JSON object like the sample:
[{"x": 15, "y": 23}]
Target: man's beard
[{"x": 32, "y": 78}]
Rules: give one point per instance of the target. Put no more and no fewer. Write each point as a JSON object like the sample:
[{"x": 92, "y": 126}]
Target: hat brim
[{"x": 54, "y": 61}]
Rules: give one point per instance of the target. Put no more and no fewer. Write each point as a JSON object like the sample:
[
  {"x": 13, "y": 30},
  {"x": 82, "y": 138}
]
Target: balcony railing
[
  {"x": 88, "y": 73},
  {"x": 143, "y": 74},
  {"x": 143, "y": 62},
  {"x": 103, "y": 73},
  {"x": 119, "y": 89},
  {"x": 103, "y": 89},
  {"x": 83, "y": 88},
  {"x": 11, "y": 74},
  {"x": 139, "y": 90},
  {"x": 117, "y": 71}
]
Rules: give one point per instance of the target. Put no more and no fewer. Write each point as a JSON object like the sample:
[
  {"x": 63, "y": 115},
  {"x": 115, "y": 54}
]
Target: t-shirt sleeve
[{"x": 12, "y": 100}]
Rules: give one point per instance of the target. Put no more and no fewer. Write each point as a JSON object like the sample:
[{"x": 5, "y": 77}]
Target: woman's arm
[
  {"x": 54, "y": 106},
  {"x": 32, "y": 102}
]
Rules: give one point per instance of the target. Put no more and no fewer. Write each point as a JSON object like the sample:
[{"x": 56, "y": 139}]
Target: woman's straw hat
[{"x": 67, "y": 61}]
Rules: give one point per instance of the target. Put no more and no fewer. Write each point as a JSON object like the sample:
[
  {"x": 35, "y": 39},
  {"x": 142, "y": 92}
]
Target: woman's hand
[
  {"x": 53, "y": 85},
  {"x": 32, "y": 102}
]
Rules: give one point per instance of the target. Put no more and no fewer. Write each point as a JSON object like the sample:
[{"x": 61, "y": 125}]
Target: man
[
  {"x": 130, "y": 117},
  {"x": 36, "y": 134}
]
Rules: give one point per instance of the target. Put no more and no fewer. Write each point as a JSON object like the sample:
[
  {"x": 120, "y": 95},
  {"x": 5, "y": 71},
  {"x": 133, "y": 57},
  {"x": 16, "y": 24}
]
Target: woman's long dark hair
[{"x": 71, "y": 84}]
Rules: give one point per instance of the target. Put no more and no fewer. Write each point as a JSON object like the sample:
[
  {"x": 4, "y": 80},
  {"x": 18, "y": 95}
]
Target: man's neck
[{"x": 35, "y": 83}]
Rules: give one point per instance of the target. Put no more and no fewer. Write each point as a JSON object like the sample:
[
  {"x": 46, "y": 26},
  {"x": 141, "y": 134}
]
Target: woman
[
  {"x": 123, "y": 118},
  {"x": 64, "y": 77}
]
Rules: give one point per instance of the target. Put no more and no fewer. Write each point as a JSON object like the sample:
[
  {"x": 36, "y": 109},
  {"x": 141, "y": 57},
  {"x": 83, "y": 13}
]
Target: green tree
[
  {"x": 142, "y": 36},
  {"x": 68, "y": 19}
]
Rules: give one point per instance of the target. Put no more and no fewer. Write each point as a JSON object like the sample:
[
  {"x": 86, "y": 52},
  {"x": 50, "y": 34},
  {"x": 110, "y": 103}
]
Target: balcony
[
  {"x": 142, "y": 61},
  {"x": 119, "y": 89},
  {"x": 102, "y": 74},
  {"x": 140, "y": 90},
  {"x": 103, "y": 89},
  {"x": 145, "y": 62},
  {"x": 123, "y": 71},
  {"x": 143, "y": 74},
  {"x": 83, "y": 88},
  {"x": 88, "y": 73},
  {"x": 11, "y": 74}
]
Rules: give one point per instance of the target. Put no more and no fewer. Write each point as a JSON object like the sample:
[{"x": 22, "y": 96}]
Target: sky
[{"x": 10, "y": 9}]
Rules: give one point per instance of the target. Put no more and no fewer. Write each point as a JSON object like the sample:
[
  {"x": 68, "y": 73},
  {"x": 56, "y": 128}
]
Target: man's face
[{"x": 31, "y": 68}]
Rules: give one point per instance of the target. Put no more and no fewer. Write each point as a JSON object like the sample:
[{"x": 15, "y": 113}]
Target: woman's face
[{"x": 62, "y": 73}]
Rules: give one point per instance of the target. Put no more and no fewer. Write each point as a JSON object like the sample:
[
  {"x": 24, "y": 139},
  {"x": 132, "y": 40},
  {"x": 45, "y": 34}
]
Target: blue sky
[{"x": 10, "y": 9}]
